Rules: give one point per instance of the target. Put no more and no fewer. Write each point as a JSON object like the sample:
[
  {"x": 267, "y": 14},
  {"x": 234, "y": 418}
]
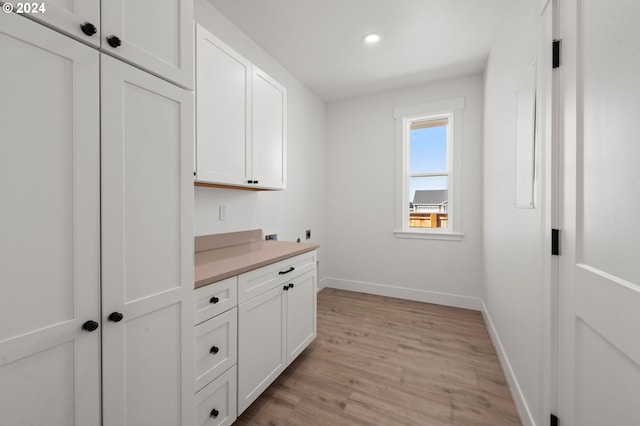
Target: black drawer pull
[
  {"x": 214, "y": 300},
  {"x": 214, "y": 413},
  {"x": 290, "y": 285},
  {"x": 286, "y": 287},
  {"x": 287, "y": 271},
  {"x": 214, "y": 350}
]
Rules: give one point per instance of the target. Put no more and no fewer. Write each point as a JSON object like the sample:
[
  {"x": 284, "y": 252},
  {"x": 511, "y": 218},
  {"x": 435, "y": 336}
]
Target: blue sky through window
[{"x": 428, "y": 153}]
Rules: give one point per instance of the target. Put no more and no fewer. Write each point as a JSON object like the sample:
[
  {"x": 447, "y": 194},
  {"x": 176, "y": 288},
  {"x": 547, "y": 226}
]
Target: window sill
[{"x": 422, "y": 235}]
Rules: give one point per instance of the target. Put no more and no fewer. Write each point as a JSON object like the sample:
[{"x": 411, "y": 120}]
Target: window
[{"x": 428, "y": 185}]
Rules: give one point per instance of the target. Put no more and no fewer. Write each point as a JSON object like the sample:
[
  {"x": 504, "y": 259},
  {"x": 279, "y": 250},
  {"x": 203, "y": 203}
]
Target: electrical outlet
[
  {"x": 222, "y": 213},
  {"x": 308, "y": 233}
]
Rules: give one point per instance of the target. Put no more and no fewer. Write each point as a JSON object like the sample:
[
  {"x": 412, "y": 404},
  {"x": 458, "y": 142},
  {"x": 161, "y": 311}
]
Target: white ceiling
[{"x": 320, "y": 41}]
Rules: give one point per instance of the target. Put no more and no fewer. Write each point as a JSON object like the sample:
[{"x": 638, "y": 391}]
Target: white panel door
[
  {"x": 301, "y": 314},
  {"x": 599, "y": 273},
  {"x": 223, "y": 78},
  {"x": 262, "y": 343},
  {"x": 69, "y": 16},
  {"x": 269, "y": 131},
  {"x": 156, "y": 35},
  {"x": 147, "y": 248},
  {"x": 49, "y": 227}
]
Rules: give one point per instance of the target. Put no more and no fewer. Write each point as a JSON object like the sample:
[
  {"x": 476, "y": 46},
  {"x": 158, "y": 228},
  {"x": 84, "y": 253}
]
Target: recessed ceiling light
[{"x": 372, "y": 38}]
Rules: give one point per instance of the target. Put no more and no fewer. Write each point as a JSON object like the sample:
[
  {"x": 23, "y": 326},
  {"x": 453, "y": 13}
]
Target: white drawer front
[
  {"x": 256, "y": 282},
  {"x": 216, "y": 346},
  {"x": 216, "y": 404},
  {"x": 214, "y": 299}
]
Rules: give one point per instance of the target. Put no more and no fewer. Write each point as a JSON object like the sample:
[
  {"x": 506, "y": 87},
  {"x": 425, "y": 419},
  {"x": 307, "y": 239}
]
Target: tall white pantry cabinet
[{"x": 96, "y": 235}]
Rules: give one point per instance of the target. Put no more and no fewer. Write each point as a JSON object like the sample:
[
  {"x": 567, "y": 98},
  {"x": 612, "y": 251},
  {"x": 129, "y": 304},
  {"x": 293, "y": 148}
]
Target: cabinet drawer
[
  {"x": 216, "y": 404},
  {"x": 256, "y": 282},
  {"x": 216, "y": 346},
  {"x": 214, "y": 299}
]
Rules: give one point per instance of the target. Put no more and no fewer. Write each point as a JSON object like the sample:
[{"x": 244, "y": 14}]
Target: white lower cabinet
[
  {"x": 241, "y": 348},
  {"x": 216, "y": 353},
  {"x": 261, "y": 344},
  {"x": 301, "y": 314},
  {"x": 276, "y": 326},
  {"x": 216, "y": 402},
  {"x": 216, "y": 346}
]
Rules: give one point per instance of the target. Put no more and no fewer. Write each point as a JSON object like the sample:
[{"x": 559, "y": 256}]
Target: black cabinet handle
[
  {"x": 90, "y": 326},
  {"x": 214, "y": 300},
  {"x": 115, "y": 317},
  {"x": 286, "y": 287},
  {"x": 214, "y": 350},
  {"x": 113, "y": 41},
  {"x": 214, "y": 413},
  {"x": 255, "y": 181},
  {"x": 290, "y": 285},
  {"x": 287, "y": 271},
  {"x": 88, "y": 28},
  {"x": 249, "y": 181}
]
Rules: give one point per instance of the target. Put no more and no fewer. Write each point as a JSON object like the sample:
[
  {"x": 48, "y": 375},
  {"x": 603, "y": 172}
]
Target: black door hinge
[
  {"x": 555, "y": 242},
  {"x": 554, "y": 421},
  {"x": 556, "y": 53}
]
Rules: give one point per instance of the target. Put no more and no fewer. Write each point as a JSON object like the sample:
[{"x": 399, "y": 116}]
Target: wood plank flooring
[{"x": 385, "y": 361}]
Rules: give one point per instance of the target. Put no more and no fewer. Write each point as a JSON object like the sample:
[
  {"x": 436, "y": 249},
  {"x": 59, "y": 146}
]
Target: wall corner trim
[{"x": 514, "y": 386}]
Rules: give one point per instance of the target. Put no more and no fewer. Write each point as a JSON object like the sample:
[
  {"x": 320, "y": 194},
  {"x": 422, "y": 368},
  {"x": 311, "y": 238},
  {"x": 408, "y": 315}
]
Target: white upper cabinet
[
  {"x": 241, "y": 119},
  {"x": 223, "y": 152},
  {"x": 155, "y": 35},
  {"x": 80, "y": 19},
  {"x": 268, "y": 129}
]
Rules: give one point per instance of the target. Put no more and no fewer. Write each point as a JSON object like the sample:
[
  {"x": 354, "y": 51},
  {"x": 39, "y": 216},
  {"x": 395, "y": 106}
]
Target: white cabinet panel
[
  {"x": 268, "y": 129},
  {"x": 155, "y": 35},
  {"x": 253, "y": 283},
  {"x": 223, "y": 152},
  {"x": 147, "y": 248},
  {"x": 214, "y": 299},
  {"x": 301, "y": 314},
  {"x": 49, "y": 249},
  {"x": 261, "y": 344},
  {"x": 67, "y": 16},
  {"x": 216, "y": 346},
  {"x": 216, "y": 403}
]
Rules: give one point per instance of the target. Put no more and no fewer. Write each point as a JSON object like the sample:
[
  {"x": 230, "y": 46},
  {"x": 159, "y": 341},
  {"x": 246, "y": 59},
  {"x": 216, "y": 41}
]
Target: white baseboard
[
  {"x": 516, "y": 391},
  {"x": 417, "y": 295}
]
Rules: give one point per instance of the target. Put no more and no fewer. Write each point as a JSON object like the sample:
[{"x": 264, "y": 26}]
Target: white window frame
[{"x": 404, "y": 116}]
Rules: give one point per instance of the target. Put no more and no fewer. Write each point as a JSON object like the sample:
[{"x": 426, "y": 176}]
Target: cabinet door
[
  {"x": 147, "y": 248},
  {"x": 50, "y": 229},
  {"x": 268, "y": 129},
  {"x": 261, "y": 344},
  {"x": 223, "y": 151},
  {"x": 156, "y": 35},
  {"x": 301, "y": 314},
  {"x": 66, "y": 15}
]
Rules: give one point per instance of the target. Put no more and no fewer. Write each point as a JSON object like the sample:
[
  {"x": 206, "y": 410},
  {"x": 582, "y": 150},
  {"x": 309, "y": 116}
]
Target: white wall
[
  {"x": 301, "y": 206},
  {"x": 362, "y": 253},
  {"x": 515, "y": 249}
]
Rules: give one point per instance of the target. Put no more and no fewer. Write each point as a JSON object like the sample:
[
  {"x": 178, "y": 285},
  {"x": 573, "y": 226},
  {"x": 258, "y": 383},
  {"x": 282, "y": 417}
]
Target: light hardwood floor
[{"x": 384, "y": 361}]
